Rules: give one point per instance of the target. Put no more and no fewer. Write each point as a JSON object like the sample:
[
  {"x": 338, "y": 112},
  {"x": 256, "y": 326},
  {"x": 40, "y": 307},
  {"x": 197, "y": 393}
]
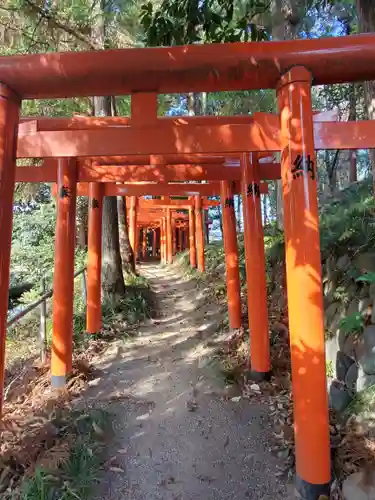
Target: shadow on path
[{"x": 178, "y": 438}]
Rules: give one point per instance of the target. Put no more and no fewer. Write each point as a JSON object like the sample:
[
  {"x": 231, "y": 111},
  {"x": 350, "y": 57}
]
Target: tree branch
[{"x": 47, "y": 15}]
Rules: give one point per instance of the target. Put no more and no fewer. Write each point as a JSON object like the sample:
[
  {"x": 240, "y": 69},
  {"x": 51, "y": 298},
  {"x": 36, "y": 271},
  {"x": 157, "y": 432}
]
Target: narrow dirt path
[{"x": 176, "y": 437}]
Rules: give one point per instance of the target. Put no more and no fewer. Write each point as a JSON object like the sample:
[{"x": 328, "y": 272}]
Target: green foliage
[
  {"x": 347, "y": 221},
  {"x": 367, "y": 278},
  {"x": 354, "y": 323},
  {"x": 76, "y": 473},
  {"x": 330, "y": 372},
  {"x": 176, "y": 22},
  {"x": 33, "y": 245},
  {"x": 362, "y": 402}
]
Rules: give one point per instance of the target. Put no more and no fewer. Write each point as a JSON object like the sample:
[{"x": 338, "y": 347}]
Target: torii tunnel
[{"x": 217, "y": 150}]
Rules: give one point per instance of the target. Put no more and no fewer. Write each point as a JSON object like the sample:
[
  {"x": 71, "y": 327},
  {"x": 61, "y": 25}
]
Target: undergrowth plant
[{"x": 71, "y": 468}]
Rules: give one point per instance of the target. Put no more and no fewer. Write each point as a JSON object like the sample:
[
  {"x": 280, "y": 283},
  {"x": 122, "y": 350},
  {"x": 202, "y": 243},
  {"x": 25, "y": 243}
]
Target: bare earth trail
[{"x": 176, "y": 438}]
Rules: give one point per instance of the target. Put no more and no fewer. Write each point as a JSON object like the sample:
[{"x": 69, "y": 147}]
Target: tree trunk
[
  {"x": 353, "y": 152},
  {"x": 332, "y": 171},
  {"x": 82, "y": 219},
  {"x": 127, "y": 257},
  {"x": 112, "y": 277},
  {"x": 285, "y": 19},
  {"x": 113, "y": 285},
  {"x": 265, "y": 208},
  {"x": 366, "y": 19}
]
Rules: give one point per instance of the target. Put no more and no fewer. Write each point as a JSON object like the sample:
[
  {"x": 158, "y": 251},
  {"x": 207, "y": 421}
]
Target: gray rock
[
  {"x": 330, "y": 312},
  {"x": 353, "y": 306},
  {"x": 364, "y": 290},
  {"x": 333, "y": 316},
  {"x": 367, "y": 363},
  {"x": 351, "y": 378},
  {"x": 339, "y": 397},
  {"x": 332, "y": 348},
  {"x": 369, "y": 339},
  {"x": 330, "y": 287},
  {"x": 343, "y": 263},
  {"x": 352, "y": 290},
  {"x": 371, "y": 290},
  {"x": 331, "y": 267},
  {"x": 357, "y": 487},
  {"x": 220, "y": 269},
  {"x": 343, "y": 363},
  {"x": 364, "y": 381},
  {"x": 365, "y": 262},
  {"x": 373, "y": 312}
]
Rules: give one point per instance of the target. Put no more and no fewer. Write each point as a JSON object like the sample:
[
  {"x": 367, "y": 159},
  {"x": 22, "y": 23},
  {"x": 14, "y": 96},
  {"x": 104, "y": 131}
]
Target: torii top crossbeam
[{"x": 236, "y": 66}]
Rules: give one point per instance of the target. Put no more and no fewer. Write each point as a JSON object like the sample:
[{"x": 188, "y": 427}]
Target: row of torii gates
[{"x": 92, "y": 155}]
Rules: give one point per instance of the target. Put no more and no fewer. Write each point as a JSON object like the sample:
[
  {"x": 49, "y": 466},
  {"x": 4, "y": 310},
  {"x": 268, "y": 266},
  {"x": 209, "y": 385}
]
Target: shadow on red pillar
[
  {"x": 231, "y": 255},
  {"x": 304, "y": 284},
  {"x": 199, "y": 234},
  {"x": 255, "y": 268},
  {"x": 94, "y": 261},
  {"x": 63, "y": 278},
  {"x": 192, "y": 247},
  {"x": 9, "y": 118}
]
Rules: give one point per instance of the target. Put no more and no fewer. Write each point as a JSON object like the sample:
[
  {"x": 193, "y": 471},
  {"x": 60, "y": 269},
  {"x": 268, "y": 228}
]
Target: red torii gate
[{"x": 280, "y": 65}]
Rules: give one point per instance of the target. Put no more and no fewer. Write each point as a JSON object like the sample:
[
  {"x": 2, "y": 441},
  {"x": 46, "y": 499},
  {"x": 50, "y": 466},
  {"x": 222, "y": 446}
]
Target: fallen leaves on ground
[{"x": 33, "y": 429}]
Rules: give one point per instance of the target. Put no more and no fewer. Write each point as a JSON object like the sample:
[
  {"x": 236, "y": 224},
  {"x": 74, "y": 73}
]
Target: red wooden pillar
[
  {"x": 231, "y": 255},
  {"x": 199, "y": 232},
  {"x": 304, "y": 284},
  {"x": 138, "y": 235},
  {"x": 144, "y": 243},
  {"x": 94, "y": 261},
  {"x": 169, "y": 236},
  {"x": 162, "y": 241},
  {"x": 63, "y": 278},
  {"x": 180, "y": 238},
  {"x": 154, "y": 242},
  {"x": 192, "y": 248},
  {"x": 9, "y": 117},
  {"x": 174, "y": 238},
  {"x": 255, "y": 268},
  {"x": 133, "y": 224}
]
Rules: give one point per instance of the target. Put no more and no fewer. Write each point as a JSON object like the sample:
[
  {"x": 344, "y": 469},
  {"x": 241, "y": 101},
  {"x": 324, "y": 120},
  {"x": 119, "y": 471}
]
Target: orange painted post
[
  {"x": 133, "y": 224},
  {"x": 154, "y": 242},
  {"x": 192, "y": 247},
  {"x": 199, "y": 235},
  {"x": 9, "y": 116},
  {"x": 174, "y": 238},
  {"x": 169, "y": 238},
  {"x": 94, "y": 261},
  {"x": 304, "y": 284},
  {"x": 255, "y": 268},
  {"x": 138, "y": 234},
  {"x": 63, "y": 278},
  {"x": 180, "y": 236},
  {"x": 231, "y": 256},
  {"x": 144, "y": 243},
  {"x": 162, "y": 243}
]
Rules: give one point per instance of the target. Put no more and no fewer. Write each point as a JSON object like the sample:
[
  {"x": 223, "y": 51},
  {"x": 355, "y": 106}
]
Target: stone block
[
  {"x": 365, "y": 262},
  {"x": 343, "y": 363},
  {"x": 364, "y": 381},
  {"x": 351, "y": 378},
  {"x": 357, "y": 486},
  {"x": 339, "y": 397},
  {"x": 343, "y": 262}
]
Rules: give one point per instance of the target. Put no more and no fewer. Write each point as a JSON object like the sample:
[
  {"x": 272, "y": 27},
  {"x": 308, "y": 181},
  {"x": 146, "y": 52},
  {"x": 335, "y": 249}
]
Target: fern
[{"x": 353, "y": 323}]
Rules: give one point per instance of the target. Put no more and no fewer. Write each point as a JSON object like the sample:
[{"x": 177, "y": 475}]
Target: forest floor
[{"x": 180, "y": 433}]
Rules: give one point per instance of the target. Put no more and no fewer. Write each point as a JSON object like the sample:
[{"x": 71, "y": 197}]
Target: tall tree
[
  {"x": 366, "y": 21},
  {"x": 127, "y": 256},
  {"x": 112, "y": 276}
]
